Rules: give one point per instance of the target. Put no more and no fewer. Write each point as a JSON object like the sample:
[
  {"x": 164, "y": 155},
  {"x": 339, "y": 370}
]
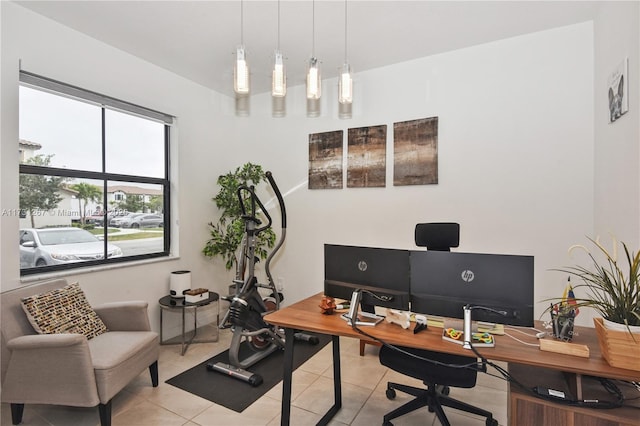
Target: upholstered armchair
[{"x": 69, "y": 368}]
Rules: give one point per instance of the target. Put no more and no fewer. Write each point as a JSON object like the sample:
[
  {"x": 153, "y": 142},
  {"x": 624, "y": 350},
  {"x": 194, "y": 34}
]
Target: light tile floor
[{"x": 363, "y": 390}]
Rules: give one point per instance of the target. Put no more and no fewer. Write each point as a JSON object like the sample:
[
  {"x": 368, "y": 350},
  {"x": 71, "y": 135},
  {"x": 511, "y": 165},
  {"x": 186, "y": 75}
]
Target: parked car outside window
[
  {"x": 54, "y": 246},
  {"x": 98, "y": 219},
  {"x": 117, "y": 222},
  {"x": 144, "y": 221}
]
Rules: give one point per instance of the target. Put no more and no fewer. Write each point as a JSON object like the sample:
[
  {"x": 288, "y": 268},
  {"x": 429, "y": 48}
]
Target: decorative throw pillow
[{"x": 64, "y": 310}]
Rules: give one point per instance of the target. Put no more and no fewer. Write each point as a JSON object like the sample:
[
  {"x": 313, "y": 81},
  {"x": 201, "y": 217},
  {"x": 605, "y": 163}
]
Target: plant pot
[
  {"x": 618, "y": 347},
  {"x": 610, "y": 325}
]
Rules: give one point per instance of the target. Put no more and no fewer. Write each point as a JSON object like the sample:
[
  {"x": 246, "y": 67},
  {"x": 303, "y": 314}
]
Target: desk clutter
[
  {"x": 403, "y": 319},
  {"x": 557, "y": 346},
  {"x": 483, "y": 337},
  {"x": 479, "y": 339},
  {"x": 563, "y": 315}
]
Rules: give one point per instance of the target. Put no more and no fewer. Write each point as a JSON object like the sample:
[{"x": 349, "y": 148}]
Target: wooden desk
[{"x": 305, "y": 315}]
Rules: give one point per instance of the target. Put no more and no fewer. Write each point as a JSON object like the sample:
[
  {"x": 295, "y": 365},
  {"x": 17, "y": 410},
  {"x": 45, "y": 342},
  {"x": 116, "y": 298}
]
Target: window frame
[{"x": 104, "y": 102}]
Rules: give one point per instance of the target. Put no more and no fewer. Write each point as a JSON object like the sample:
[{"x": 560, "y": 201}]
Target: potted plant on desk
[{"x": 612, "y": 288}]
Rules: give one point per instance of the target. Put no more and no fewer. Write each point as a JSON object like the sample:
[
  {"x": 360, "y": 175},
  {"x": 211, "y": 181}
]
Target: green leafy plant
[
  {"x": 86, "y": 193},
  {"x": 39, "y": 192},
  {"x": 228, "y": 232},
  {"x": 612, "y": 289}
]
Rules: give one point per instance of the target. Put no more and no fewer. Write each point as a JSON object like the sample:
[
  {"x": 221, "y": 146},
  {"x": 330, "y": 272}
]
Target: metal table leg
[
  {"x": 185, "y": 341},
  {"x": 288, "y": 373}
]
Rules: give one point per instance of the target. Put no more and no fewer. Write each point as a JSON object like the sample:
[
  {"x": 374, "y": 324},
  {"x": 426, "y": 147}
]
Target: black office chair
[{"x": 437, "y": 378}]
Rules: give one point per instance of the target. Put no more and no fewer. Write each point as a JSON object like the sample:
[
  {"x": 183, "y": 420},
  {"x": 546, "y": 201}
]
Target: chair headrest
[{"x": 439, "y": 236}]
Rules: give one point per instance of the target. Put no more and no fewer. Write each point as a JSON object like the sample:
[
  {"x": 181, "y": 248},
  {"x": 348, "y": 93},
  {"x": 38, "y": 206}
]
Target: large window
[{"x": 94, "y": 178}]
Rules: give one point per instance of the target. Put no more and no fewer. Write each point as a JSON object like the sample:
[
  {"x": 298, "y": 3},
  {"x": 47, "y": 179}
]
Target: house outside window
[{"x": 90, "y": 166}]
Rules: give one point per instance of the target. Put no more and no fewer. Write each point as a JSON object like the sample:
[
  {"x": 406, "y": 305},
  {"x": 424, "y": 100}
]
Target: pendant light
[
  {"x": 241, "y": 72},
  {"x": 314, "y": 81},
  {"x": 345, "y": 80},
  {"x": 278, "y": 79}
]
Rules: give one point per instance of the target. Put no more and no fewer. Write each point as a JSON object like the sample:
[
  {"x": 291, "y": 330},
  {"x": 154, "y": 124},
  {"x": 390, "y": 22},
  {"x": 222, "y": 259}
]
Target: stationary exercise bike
[{"x": 245, "y": 315}]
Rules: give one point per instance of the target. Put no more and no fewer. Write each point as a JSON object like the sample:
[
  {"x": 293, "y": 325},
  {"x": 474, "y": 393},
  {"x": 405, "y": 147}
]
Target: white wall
[
  {"x": 516, "y": 153},
  {"x": 617, "y": 145}
]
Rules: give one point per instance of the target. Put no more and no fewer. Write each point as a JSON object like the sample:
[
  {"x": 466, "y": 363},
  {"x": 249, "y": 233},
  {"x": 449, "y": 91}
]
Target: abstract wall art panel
[
  {"x": 366, "y": 157},
  {"x": 415, "y": 152},
  {"x": 325, "y": 160}
]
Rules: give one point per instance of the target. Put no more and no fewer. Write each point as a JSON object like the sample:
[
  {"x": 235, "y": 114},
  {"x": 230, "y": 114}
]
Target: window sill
[{"x": 92, "y": 269}]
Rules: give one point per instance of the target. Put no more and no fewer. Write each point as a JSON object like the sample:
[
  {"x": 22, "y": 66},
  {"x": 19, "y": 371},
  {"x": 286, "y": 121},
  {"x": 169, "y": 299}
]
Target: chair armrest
[
  {"x": 124, "y": 316},
  {"x": 45, "y": 341},
  {"x": 50, "y": 369}
]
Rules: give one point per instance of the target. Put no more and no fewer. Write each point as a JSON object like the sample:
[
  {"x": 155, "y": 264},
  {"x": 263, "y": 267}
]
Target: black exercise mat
[{"x": 236, "y": 394}]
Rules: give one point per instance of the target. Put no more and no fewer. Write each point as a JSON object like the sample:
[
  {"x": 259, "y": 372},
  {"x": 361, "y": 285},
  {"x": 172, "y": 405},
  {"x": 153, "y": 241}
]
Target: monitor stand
[{"x": 363, "y": 318}]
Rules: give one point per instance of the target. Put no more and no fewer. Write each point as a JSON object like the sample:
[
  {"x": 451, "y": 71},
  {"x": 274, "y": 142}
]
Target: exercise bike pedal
[{"x": 237, "y": 373}]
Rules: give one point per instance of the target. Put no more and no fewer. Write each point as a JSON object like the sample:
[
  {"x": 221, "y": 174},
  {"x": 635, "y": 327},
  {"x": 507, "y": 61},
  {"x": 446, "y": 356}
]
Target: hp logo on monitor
[
  {"x": 362, "y": 265},
  {"x": 467, "y": 275}
]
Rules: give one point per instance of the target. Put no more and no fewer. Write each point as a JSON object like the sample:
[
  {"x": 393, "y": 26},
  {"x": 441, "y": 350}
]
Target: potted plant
[
  {"x": 612, "y": 288},
  {"x": 228, "y": 232}
]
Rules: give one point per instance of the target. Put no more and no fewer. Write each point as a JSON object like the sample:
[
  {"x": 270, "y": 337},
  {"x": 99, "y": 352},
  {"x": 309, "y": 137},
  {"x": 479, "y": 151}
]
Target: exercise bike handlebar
[
  {"x": 283, "y": 211},
  {"x": 283, "y": 214},
  {"x": 254, "y": 200}
]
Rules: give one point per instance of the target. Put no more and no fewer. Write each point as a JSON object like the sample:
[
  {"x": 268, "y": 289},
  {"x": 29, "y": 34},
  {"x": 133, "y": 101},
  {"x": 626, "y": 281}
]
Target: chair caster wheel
[
  {"x": 444, "y": 390},
  {"x": 491, "y": 422},
  {"x": 387, "y": 424},
  {"x": 391, "y": 394}
]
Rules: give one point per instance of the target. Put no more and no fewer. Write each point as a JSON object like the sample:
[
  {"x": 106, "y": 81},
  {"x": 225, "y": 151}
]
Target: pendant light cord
[
  {"x": 345, "y": 31},
  {"x": 242, "y": 22},
  {"x": 278, "y": 24},
  {"x": 313, "y": 28}
]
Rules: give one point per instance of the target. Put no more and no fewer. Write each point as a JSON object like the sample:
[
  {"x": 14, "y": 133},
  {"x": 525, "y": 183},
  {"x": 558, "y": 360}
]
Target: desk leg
[
  {"x": 574, "y": 381},
  {"x": 287, "y": 374},
  {"x": 337, "y": 387}
]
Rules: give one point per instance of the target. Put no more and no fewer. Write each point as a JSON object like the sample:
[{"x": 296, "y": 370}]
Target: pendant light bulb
[
  {"x": 345, "y": 85},
  {"x": 279, "y": 78},
  {"x": 314, "y": 82},
  {"x": 241, "y": 72}
]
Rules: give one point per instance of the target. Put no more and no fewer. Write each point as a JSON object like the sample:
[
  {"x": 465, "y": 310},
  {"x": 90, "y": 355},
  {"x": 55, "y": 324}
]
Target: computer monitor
[
  {"x": 443, "y": 282},
  {"x": 383, "y": 272}
]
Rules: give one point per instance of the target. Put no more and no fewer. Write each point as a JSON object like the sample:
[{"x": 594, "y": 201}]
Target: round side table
[{"x": 174, "y": 304}]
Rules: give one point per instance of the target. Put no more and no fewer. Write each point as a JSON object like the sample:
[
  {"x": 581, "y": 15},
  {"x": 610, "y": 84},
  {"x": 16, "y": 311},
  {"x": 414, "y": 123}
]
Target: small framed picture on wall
[{"x": 618, "y": 91}]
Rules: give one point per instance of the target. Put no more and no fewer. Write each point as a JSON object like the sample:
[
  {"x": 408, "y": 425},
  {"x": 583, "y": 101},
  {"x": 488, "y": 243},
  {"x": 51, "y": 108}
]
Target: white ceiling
[{"x": 197, "y": 39}]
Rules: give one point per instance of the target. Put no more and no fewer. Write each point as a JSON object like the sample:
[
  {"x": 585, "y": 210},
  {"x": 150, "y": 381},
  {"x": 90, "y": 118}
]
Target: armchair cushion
[
  {"x": 63, "y": 310},
  {"x": 124, "y": 316}
]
